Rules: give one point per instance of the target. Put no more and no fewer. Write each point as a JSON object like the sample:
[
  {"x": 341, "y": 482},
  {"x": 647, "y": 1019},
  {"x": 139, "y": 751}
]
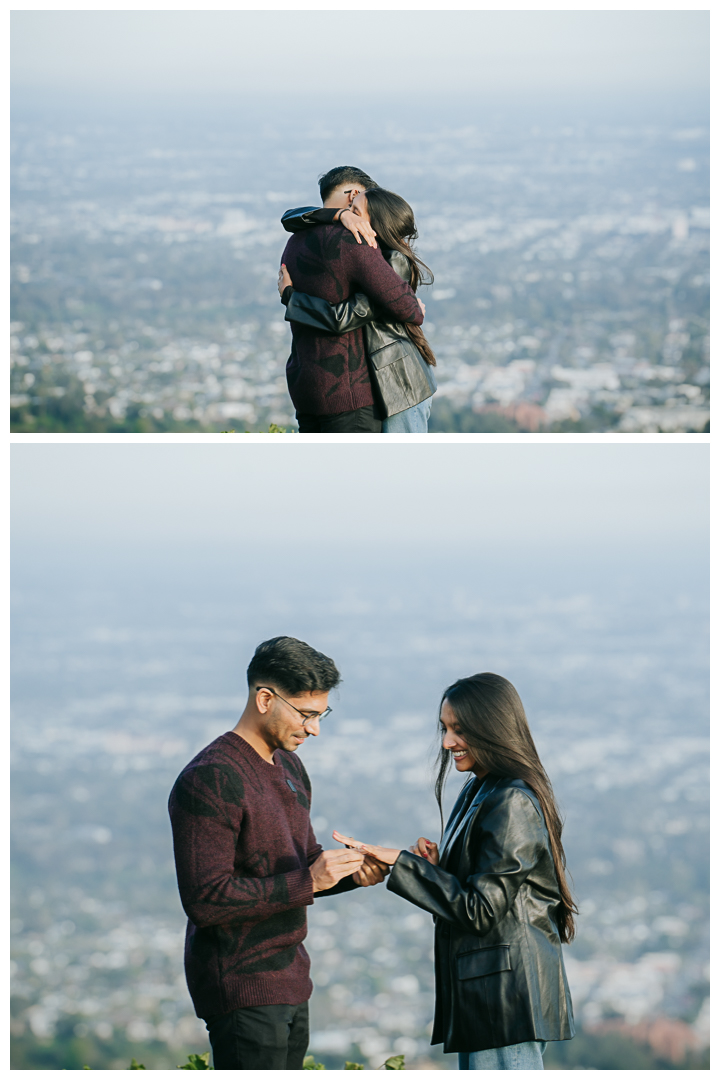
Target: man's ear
[{"x": 263, "y": 700}]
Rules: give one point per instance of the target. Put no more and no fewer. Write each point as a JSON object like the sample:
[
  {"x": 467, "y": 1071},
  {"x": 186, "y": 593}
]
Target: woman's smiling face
[{"x": 454, "y": 742}]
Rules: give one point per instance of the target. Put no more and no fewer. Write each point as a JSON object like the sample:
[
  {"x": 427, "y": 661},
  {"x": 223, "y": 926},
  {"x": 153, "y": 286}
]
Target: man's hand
[
  {"x": 284, "y": 279},
  {"x": 427, "y": 849},
  {"x": 357, "y": 226},
  {"x": 334, "y": 865},
  {"x": 372, "y": 872}
]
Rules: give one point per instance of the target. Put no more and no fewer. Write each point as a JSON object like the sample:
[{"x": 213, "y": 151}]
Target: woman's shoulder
[
  {"x": 397, "y": 259},
  {"x": 512, "y": 793}
]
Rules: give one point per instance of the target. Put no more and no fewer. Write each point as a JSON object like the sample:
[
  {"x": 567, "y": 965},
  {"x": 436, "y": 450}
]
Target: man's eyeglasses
[{"x": 306, "y": 715}]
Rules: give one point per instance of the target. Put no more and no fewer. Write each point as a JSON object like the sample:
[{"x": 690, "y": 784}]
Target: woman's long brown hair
[
  {"x": 394, "y": 222},
  {"x": 491, "y": 718}
]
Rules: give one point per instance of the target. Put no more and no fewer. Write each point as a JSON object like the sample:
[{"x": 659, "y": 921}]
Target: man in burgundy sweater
[
  {"x": 328, "y": 375},
  {"x": 249, "y": 866}
]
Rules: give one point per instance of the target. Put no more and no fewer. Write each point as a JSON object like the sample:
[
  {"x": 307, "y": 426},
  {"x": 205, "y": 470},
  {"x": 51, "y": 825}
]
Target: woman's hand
[
  {"x": 382, "y": 854},
  {"x": 427, "y": 849},
  {"x": 357, "y": 226},
  {"x": 284, "y": 279},
  {"x": 422, "y": 306}
]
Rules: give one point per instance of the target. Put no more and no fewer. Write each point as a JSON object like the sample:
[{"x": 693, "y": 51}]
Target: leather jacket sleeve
[
  {"x": 507, "y": 841},
  {"x": 339, "y": 318},
  {"x": 304, "y": 217}
]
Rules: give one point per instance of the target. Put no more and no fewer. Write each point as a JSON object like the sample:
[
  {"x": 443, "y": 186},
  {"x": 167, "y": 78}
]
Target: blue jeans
[
  {"x": 414, "y": 419},
  {"x": 527, "y": 1055}
]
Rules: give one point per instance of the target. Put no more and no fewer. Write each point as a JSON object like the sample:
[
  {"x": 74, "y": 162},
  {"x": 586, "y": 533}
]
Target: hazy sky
[
  {"x": 350, "y": 54},
  {"x": 431, "y": 498}
]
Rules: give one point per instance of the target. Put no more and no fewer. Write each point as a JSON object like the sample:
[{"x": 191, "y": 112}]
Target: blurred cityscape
[
  {"x": 571, "y": 267},
  {"x": 115, "y": 690}
]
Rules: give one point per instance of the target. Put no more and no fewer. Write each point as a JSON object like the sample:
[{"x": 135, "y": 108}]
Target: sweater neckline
[{"x": 244, "y": 746}]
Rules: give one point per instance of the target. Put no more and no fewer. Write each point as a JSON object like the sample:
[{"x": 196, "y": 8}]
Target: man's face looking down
[
  {"x": 282, "y": 727},
  {"x": 343, "y": 195}
]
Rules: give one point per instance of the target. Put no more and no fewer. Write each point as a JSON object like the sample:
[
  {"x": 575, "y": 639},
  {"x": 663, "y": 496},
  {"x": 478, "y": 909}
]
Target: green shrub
[
  {"x": 397, "y": 1062},
  {"x": 197, "y": 1061},
  {"x": 202, "y": 1061},
  {"x": 274, "y": 429}
]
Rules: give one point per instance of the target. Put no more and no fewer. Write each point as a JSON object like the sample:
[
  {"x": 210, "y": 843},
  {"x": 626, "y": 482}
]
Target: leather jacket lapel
[
  {"x": 455, "y": 829},
  {"x": 457, "y": 813}
]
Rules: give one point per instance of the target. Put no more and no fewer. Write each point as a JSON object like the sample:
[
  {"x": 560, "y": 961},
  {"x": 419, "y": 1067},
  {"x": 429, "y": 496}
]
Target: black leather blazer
[
  {"x": 499, "y": 972},
  {"x": 401, "y": 377}
]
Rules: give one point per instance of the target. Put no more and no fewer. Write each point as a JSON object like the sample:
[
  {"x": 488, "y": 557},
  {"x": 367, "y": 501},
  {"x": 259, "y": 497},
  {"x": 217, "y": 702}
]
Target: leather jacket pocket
[
  {"x": 485, "y": 961},
  {"x": 389, "y": 354},
  {"x": 399, "y": 376}
]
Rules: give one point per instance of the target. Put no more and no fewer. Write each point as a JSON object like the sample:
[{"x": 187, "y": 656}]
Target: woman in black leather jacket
[
  {"x": 400, "y": 358},
  {"x": 495, "y": 886}
]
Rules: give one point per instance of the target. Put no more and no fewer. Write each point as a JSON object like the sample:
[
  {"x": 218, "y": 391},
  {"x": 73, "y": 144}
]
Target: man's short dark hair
[
  {"x": 343, "y": 174},
  {"x": 289, "y": 665}
]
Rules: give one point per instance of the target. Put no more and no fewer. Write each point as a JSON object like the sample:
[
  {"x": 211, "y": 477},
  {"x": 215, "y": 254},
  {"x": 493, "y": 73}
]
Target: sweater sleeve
[
  {"x": 371, "y": 274},
  {"x": 206, "y": 817},
  {"x": 508, "y": 841}
]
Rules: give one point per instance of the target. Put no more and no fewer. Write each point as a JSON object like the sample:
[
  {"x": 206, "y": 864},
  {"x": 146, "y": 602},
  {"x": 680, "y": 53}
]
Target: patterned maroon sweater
[
  {"x": 329, "y": 373},
  {"x": 243, "y": 844}
]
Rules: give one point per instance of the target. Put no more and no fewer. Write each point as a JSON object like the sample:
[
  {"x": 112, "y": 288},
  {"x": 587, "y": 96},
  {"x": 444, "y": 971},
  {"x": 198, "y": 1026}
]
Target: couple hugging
[
  {"x": 359, "y": 360},
  {"x": 249, "y": 867}
]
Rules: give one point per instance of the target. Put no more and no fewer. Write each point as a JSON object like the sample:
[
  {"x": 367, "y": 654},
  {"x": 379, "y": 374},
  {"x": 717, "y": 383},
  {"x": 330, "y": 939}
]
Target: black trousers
[
  {"x": 366, "y": 419},
  {"x": 260, "y": 1037}
]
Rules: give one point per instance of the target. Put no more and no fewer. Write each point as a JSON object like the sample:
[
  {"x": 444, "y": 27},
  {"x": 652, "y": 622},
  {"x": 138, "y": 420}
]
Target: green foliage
[
  {"x": 202, "y": 1061},
  {"x": 194, "y": 1061},
  {"x": 197, "y": 1061},
  {"x": 274, "y": 429},
  {"x": 397, "y": 1062}
]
